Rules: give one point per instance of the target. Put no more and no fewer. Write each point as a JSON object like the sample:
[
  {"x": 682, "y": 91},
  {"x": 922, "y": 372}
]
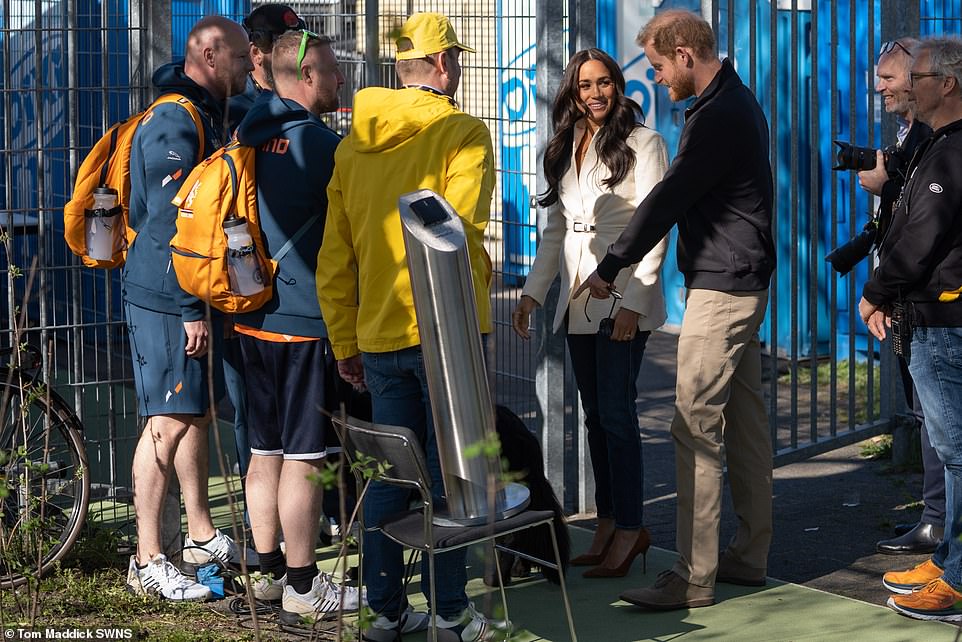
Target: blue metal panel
[
  {"x": 184, "y": 13},
  {"x": 518, "y": 144},
  {"x": 606, "y": 17},
  {"x": 940, "y": 17}
]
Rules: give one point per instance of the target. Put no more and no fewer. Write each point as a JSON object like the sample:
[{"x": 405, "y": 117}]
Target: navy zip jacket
[
  {"x": 921, "y": 256},
  {"x": 294, "y": 162},
  {"x": 718, "y": 190},
  {"x": 163, "y": 152}
]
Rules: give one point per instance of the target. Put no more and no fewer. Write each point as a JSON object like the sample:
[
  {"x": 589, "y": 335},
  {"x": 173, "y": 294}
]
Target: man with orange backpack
[
  {"x": 287, "y": 357},
  {"x": 168, "y": 331}
]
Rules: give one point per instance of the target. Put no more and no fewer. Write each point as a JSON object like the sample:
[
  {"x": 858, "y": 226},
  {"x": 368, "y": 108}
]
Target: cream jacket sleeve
[
  {"x": 643, "y": 291},
  {"x": 547, "y": 261}
]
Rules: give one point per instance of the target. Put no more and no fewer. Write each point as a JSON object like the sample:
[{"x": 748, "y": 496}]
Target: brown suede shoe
[
  {"x": 670, "y": 592},
  {"x": 732, "y": 572}
]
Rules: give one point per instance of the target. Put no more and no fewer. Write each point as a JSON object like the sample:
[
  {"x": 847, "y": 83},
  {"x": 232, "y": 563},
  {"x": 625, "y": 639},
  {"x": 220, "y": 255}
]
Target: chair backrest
[{"x": 394, "y": 445}]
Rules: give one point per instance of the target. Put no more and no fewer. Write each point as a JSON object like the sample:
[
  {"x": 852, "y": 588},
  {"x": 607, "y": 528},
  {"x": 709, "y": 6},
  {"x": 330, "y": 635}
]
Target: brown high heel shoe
[
  {"x": 640, "y": 548},
  {"x": 587, "y": 559}
]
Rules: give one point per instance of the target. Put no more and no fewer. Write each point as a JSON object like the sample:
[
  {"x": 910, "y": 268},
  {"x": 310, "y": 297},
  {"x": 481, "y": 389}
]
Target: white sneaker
[
  {"x": 222, "y": 549},
  {"x": 162, "y": 578},
  {"x": 471, "y": 626},
  {"x": 384, "y": 629},
  {"x": 265, "y": 588},
  {"x": 323, "y": 600}
]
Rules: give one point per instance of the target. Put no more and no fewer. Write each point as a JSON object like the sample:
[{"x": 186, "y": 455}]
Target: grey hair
[{"x": 945, "y": 57}]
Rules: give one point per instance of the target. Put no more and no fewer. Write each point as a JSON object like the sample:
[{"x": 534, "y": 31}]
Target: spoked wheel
[{"x": 44, "y": 479}]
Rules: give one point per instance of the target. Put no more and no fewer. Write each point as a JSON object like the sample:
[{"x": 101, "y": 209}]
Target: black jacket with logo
[
  {"x": 921, "y": 256},
  {"x": 718, "y": 190}
]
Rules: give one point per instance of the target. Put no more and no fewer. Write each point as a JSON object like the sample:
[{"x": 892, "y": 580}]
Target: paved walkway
[{"x": 829, "y": 510}]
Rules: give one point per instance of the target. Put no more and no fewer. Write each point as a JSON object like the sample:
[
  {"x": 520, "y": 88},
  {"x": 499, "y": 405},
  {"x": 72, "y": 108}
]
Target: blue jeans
[
  {"x": 936, "y": 368},
  {"x": 399, "y": 395},
  {"x": 237, "y": 393},
  {"x": 606, "y": 372}
]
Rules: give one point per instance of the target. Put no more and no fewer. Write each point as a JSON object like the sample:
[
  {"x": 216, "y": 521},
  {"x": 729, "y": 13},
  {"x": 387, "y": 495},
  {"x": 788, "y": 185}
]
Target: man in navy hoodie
[
  {"x": 284, "y": 344},
  {"x": 167, "y": 328}
]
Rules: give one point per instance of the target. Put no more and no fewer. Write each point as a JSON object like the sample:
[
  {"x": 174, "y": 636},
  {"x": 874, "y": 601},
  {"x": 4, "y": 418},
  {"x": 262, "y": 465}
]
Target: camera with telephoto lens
[
  {"x": 845, "y": 257},
  {"x": 863, "y": 158}
]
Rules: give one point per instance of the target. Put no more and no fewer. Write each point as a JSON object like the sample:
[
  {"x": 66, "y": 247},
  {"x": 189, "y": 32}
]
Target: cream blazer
[{"x": 584, "y": 200}]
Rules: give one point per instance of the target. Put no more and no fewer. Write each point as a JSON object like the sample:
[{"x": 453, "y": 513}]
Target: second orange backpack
[{"x": 103, "y": 180}]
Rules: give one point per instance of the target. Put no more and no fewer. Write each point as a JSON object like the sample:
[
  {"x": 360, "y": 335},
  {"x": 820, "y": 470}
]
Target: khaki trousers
[{"x": 718, "y": 400}]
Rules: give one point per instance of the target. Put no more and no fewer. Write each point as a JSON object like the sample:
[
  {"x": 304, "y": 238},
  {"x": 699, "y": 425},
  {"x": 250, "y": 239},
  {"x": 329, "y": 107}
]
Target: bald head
[{"x": 218, "y": 56}]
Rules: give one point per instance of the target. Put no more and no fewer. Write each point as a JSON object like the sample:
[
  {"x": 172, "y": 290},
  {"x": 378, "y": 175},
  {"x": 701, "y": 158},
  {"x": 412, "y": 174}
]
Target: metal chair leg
[
  {"x": 564, "y": 589},
  {"x": 504, "y": 597},
  {"x": 434, "y": 596}
]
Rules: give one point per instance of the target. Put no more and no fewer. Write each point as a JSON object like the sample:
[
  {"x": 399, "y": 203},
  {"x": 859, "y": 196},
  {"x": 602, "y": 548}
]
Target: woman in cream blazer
[{"x": 600, "y": 164}]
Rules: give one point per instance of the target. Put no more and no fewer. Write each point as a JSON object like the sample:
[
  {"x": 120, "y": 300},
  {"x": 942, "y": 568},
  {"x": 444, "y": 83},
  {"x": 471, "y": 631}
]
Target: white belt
[{"x": 578, "y": 226}]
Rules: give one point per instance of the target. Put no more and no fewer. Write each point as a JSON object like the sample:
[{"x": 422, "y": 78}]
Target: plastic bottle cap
[
  {"x": 234, "y": 222},
  {"x": 105, "y": 190}
]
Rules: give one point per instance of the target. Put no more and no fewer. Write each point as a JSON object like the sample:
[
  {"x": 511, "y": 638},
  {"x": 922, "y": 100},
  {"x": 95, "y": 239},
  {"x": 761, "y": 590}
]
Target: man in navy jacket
[{"x": 167, "y": 327}]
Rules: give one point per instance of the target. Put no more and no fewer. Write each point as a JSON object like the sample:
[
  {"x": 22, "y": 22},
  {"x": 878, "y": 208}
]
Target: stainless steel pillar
[{"x": 440, "y": 269}]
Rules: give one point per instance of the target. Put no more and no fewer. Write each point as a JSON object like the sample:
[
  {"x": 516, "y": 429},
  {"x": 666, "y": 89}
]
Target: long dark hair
[{"x": 568, "y": 109}]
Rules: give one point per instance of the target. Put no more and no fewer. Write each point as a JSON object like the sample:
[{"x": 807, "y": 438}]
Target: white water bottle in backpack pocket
[
  {"x": 243, "y": 268},
  {"x": 104, "y": 225}
]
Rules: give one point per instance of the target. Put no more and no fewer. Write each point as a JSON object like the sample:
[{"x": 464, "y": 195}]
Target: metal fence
[{"x": 69, "y": 69}]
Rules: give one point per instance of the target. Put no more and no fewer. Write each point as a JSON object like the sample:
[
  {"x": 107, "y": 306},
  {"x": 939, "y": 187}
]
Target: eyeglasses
[
  {"x": 305, "y": 36},
  {"x": 890, "y": 46},
  {"x": 923, "y": 74}
]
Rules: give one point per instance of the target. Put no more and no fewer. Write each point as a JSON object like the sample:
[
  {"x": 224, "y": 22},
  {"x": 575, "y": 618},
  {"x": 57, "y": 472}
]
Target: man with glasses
[
  {"x": 915, "y": 295},
  {"x": 403, "y": 140},
  {"x": 284, "y": 344},
  {"x": 894, "y": 63}
]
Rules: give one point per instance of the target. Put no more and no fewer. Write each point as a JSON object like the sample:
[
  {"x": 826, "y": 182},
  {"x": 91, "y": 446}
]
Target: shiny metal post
[{"x": 440, "y": 270}]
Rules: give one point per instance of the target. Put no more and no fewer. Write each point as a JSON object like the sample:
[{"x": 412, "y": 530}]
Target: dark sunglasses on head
[{"x": 890, "y": 46}]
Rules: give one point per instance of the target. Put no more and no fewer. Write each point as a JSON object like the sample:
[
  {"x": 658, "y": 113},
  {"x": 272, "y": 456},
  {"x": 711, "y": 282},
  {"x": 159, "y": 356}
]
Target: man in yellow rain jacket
[{"x": 402, "y": 140}]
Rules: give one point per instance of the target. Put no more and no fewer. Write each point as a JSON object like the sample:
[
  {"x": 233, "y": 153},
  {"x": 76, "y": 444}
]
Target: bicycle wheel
[{"x": 44, "y": 479}]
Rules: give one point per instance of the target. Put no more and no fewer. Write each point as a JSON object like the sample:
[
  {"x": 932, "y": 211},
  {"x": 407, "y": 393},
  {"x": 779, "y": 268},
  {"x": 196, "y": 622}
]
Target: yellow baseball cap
[{"x": 424, "y": 34}]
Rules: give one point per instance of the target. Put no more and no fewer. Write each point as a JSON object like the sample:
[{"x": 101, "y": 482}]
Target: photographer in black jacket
[
  {"x": 914, "y": 294},
  {"x": 718, "y": 190},
  {"x": 885, "y": 181}
]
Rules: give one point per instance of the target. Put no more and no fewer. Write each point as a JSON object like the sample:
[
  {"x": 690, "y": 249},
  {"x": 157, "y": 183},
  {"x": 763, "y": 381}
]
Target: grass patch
[
  {"x": 75, "y": 598},
  {"x": 878, "y": 447},
  {"x": 823, "y": 377}
]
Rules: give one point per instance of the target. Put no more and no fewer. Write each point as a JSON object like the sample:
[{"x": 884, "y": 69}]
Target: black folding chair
[{"x": 415, "y": 529}]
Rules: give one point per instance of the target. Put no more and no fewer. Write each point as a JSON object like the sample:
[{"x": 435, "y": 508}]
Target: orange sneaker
[
  {"x": 904, "y": 582},
  {"x": 935, "y": 601}
]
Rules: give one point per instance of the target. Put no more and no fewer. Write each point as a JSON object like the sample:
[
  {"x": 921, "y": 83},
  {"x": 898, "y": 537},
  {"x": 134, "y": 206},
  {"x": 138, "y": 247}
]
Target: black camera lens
[
  {"x": 854, "y": 158},
  {"x": 845, "y": 257}
]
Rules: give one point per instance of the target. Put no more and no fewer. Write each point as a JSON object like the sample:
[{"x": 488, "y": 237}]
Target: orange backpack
[
  {"x": 220, "y": 188},
  {"x": 108, "y": 165}
]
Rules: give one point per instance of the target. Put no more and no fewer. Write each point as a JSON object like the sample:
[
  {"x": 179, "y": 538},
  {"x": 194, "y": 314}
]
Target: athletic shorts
[
  {"x": 288, "y": 388},
  {"x": 168, "y": 382}
]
